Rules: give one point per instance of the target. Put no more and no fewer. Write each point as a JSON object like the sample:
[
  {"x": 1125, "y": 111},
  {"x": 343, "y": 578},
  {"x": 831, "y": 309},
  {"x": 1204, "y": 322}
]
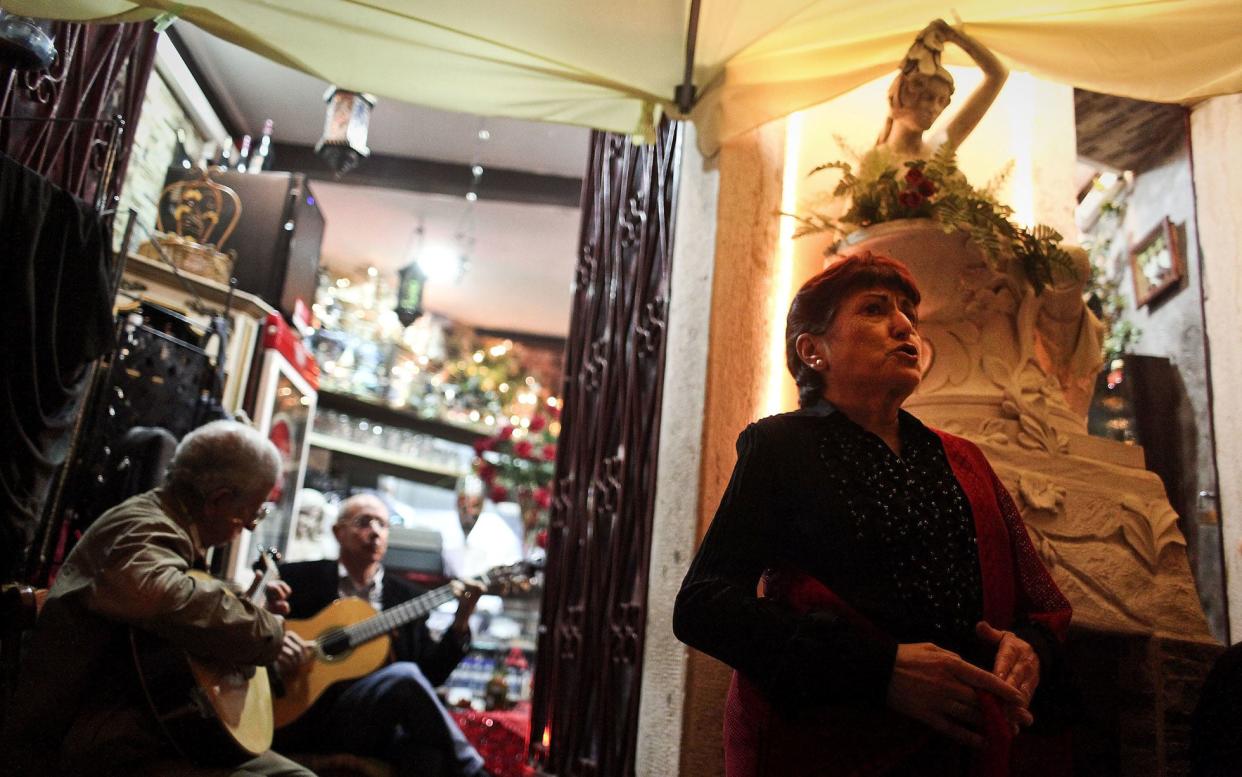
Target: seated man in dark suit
[{"x": 393, "y": 713}]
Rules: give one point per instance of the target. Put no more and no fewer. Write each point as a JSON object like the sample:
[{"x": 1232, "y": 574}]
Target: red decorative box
[{"x": 278, "y": 335}]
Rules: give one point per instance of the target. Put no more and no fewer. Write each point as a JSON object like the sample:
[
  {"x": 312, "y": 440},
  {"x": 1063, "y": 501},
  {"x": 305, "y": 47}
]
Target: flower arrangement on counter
[
  {"x": 518, "y": 464},
  {"x": 883, "y": 190}
]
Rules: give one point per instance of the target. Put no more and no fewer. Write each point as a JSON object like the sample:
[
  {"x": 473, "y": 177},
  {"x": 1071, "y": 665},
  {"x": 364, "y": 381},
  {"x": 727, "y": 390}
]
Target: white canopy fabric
[{"x": 614, "y": 65}]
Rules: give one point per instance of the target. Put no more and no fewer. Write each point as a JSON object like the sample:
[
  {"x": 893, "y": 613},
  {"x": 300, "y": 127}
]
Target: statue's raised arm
[{"x": 923, "y": 89}]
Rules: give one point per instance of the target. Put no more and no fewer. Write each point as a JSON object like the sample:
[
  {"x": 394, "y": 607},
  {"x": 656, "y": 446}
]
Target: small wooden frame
[{"x": 1157, "y": 264}]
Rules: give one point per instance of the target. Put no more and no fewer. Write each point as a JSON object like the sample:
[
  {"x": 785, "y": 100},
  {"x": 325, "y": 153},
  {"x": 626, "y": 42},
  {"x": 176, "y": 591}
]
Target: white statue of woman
[{"x": 923, "y": 89}]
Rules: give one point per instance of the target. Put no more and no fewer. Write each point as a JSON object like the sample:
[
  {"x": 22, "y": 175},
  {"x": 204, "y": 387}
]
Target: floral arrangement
[
  {"x": 518, "y": 464},
  {"x": 935, "y": 189}
]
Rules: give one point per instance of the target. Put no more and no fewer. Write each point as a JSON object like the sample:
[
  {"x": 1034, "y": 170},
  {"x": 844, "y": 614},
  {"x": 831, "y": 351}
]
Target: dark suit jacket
[{"x": 314, "y": 585}]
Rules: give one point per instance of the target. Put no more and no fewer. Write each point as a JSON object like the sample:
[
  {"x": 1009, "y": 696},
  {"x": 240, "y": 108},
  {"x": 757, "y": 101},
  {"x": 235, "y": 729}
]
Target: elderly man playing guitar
[
  {"x": 392, "y": 712},
  {"x": 133, "y": 575}
]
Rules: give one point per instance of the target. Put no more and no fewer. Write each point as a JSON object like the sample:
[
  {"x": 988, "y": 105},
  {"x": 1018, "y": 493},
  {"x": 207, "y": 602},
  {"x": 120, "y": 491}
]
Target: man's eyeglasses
[{"x": 364, "y": 520}]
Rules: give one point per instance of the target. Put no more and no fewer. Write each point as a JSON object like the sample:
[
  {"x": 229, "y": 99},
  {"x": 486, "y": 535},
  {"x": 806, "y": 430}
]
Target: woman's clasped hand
[{"x": 940, "y": 688}]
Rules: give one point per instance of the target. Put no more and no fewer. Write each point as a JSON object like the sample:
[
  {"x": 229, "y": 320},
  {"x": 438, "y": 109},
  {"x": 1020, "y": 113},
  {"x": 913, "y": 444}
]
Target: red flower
[
  {"x": 498, "y": 493},
  {"x": 537, "y": 423},
  {"x": 542, "y": 497},
  {"x": 541, "y": 539},
  {"x": 926, "y": 187},
  {"x": 483, "y": 445},
  {"x": 505, "y": 433},
  {"x": 523, "y": 448},
  {"x": 910, "y": 199},
  {"x": 914, "y": 176},
  {"x": 487, "y": 473},
  {"x": 549, "y": 452}
]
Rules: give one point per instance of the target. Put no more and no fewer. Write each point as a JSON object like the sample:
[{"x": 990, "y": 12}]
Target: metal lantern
[
  {"x": 25, "y": 43},
  {"x": 410, "y": 283},
  {"x": 344, "y": 141}
]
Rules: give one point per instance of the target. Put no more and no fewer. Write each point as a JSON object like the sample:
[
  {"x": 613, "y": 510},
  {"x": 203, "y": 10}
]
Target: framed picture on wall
[{"x": 1157, "y": 264}]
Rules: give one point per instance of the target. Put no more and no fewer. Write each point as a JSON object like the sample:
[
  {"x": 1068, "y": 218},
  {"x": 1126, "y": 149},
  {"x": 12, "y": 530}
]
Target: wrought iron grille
[
  {"x": 150, "y": 378},
  {"x": 589, "y": 662},
  {"x": 68, "y": 122}
]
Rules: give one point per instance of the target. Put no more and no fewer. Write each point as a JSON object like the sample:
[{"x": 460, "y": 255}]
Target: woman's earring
[{"x": 818, "y": 363}]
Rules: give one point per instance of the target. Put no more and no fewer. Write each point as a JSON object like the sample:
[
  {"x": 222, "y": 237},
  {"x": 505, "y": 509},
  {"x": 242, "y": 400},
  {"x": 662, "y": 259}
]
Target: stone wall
[
  {"x": 155, "y": 139},
  {"x": 1172, "y": 328}
]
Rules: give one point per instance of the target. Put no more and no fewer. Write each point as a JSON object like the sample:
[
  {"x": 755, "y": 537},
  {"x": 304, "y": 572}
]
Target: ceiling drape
[{"x": 614, "y": 65}]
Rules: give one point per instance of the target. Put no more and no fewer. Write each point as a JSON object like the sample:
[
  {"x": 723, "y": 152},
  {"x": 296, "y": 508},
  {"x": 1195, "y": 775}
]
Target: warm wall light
[{"x": 781, "y": 290}]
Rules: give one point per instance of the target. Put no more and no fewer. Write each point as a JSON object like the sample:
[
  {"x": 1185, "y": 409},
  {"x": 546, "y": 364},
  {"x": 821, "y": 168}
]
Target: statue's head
[{"x": 916, "y": 99}]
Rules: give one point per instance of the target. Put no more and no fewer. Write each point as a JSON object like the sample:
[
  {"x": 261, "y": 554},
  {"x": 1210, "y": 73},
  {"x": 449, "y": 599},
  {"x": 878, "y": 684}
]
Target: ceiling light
[
  {"x": 344, "y": 141},
  {"x": 440, "y": 264}
]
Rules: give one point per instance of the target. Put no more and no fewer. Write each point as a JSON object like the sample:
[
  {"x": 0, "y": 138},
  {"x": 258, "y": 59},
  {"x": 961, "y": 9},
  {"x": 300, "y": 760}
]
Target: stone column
[
  {"x": 1217, "y": 163},
  {"x": 715, "y": 374},
  {"x": 675, "y": 521}
]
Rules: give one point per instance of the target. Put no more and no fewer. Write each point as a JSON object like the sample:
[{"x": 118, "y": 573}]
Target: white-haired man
[
  {"x": 78, "y": 708},
  {"x": 393, "y": 713}
]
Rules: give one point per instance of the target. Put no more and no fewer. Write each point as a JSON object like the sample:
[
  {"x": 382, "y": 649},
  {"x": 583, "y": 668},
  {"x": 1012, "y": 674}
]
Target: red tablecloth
[{"x": 500, "y": 737}]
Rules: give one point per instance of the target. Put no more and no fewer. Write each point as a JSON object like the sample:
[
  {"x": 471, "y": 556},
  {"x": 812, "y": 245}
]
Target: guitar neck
[{"x": 396, "y": 617}]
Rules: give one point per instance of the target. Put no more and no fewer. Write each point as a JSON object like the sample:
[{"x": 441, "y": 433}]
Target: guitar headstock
[
  {"x": 266, "y": 562},
  {"x": 507, "y": 579},
  {"x": 264, "y": 570}
]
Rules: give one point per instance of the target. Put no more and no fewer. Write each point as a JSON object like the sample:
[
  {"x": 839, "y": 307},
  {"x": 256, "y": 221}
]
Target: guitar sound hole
[{"x": 334, "y": 643}]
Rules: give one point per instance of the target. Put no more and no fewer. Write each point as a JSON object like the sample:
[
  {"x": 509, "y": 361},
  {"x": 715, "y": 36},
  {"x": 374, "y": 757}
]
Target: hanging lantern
[
  {"x": 410, "y": 283},
  {"x": 344, "y": 141},
  {"x": 25, "y": 43}
]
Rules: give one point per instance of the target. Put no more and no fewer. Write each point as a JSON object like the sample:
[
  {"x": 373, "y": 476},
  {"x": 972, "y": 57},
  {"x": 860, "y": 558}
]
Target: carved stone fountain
[{"x": 1013, "y": 372}]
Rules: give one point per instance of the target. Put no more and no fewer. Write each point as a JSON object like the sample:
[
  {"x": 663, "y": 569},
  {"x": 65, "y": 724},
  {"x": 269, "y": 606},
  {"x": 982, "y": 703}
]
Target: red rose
[
  {"x": 541, "y": 539},
  {"x": 549, "y": 452},
  {"x": 505, "y": 433},
  {"x": 914, "y": 176},
  {"x": 543, "y": 497},
  {"x": 487, "y": 473},
  {"x": 482, "y": 445},
  {"x": 498, "y": 493},
  {"x": 523, "y": 448},
  {"x": 537, "y": 423},
  {"x": 926, "y": 187},
  {"x": 911, "y": 200}
]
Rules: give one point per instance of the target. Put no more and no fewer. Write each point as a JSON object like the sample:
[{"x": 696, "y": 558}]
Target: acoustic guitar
[
  {"x": 351, "y": 640},
  {"x": 213, "y": 713}
]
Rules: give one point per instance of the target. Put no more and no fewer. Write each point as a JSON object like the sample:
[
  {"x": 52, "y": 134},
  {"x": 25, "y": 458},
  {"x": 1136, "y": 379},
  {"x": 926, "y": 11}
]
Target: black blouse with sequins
[
  {"x": 910, "y": 514},
  {"x": 892, "y": 536}
]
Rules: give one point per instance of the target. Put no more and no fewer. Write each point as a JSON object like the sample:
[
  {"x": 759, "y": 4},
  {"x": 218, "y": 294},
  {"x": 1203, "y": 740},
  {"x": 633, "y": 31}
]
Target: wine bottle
[
  {"x": 207, "y": 156},
  {"x": 180, "y": 157},
  {"x": 259, "y": 160},
  {"x": 226, "y": 157},
  {"x": 244, "y": 155}
]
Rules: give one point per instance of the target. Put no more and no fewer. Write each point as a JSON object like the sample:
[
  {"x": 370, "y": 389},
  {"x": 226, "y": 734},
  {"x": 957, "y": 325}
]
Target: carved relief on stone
[
  {"x": 1105, "y": 531},
  {"x": 1012, "y": 371},
  {"x": 993, "y": 347}
]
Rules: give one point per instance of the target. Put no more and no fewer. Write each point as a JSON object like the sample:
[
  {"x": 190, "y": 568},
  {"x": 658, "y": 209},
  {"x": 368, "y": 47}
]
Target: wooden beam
[{"x": 424, "y": 175}]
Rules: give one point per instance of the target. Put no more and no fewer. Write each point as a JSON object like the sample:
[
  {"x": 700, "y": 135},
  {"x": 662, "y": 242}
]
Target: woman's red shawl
[{"x": 760, "y": 742}]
